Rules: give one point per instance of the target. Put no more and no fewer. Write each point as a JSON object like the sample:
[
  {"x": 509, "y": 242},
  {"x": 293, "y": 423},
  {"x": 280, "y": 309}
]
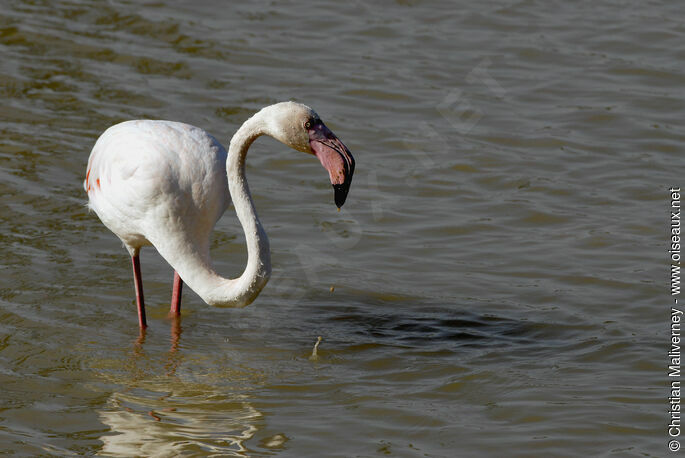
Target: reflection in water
[
  {"x": 136, "y": 430},
  {"x": 173, "y": 360},
  {"x": 165, "y": 415}
]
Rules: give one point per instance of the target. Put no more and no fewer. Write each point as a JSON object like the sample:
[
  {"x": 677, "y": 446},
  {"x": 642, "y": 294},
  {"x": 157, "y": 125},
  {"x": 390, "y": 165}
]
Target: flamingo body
[
  {"x": 148, "y": 180},
  {"x": 166, "y": 184}
]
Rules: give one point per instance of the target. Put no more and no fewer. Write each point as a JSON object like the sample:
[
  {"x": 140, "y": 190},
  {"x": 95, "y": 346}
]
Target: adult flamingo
[{"x": 166, "y": 184}]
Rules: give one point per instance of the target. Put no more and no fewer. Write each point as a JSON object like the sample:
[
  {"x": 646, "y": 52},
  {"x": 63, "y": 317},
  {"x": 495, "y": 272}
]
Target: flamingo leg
[
  {"x": 138, "y": 279},
  {"x": 175, "y": 309}
]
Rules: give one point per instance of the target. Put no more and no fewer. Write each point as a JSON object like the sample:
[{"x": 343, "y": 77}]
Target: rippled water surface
[{"x": 496, "y": 284}]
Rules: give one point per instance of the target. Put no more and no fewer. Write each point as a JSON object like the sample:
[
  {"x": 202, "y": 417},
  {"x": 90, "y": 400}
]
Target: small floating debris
[
  {"x": 275, "y": 441},
  {"x": 332, "y": 288},
  {"x": 315, "y": 355}
]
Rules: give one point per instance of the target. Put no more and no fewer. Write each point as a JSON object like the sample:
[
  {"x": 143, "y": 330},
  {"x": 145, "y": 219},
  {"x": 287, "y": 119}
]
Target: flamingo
[{"x": 166, "y": 184}]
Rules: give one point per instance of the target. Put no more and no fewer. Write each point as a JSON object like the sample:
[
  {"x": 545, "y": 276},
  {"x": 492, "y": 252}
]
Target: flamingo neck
[
  {"x": 240, "y": 291},
  {"x": 258, "y": 269}
]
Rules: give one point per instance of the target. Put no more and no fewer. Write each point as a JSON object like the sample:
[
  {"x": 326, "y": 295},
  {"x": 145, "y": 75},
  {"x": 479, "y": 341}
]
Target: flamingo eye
[{"x": 307, "y": 124}]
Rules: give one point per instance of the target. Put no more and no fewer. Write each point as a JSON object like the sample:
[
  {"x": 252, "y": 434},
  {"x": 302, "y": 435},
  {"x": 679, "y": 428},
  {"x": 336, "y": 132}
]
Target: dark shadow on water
[
  {"x": 465, "y": 329},
  {"x": 441, "y": 326}
]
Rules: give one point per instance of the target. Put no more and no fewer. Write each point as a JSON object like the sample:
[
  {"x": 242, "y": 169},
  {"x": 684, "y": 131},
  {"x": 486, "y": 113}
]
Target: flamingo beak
[{"x": 335, "y": 157}]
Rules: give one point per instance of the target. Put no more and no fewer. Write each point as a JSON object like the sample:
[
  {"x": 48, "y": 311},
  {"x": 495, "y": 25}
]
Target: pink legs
[
  {"x": 175, "y": 309},
  {"x": 138, "y": 279}
]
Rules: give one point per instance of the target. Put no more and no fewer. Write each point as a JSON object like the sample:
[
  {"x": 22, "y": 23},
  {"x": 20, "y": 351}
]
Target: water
[{"x": 499, "y": 270}]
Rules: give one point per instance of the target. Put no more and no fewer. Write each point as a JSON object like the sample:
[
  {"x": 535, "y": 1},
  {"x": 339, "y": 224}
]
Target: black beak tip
[{"x": 341, "y": 191}]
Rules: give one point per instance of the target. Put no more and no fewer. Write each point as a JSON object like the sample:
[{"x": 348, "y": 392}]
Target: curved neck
[
  {"x": 192, "y": 261},
  {"x": 245, "y": 289}
]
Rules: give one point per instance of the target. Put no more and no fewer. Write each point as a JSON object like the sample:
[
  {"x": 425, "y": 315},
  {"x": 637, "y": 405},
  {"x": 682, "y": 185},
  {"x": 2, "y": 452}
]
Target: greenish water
[{"x": 499, "y": 268}]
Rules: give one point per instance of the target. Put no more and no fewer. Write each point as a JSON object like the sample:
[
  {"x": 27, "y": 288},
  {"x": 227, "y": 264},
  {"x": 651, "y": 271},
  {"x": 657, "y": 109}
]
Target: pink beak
[{"x": 335, "y": 157}]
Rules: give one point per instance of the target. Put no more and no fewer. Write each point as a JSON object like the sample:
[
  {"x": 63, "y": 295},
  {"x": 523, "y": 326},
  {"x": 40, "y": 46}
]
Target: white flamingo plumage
[{"x": 166, "y": 184}]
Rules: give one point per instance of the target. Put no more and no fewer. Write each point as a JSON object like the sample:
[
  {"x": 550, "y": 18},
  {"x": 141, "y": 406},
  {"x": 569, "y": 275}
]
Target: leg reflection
[
  {"x": 174, "y": 359},
  {"x": 138, "y": 344}
]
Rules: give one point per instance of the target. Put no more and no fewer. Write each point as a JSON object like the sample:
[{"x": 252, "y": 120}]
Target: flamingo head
[{"x": 299, "y": 127}]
